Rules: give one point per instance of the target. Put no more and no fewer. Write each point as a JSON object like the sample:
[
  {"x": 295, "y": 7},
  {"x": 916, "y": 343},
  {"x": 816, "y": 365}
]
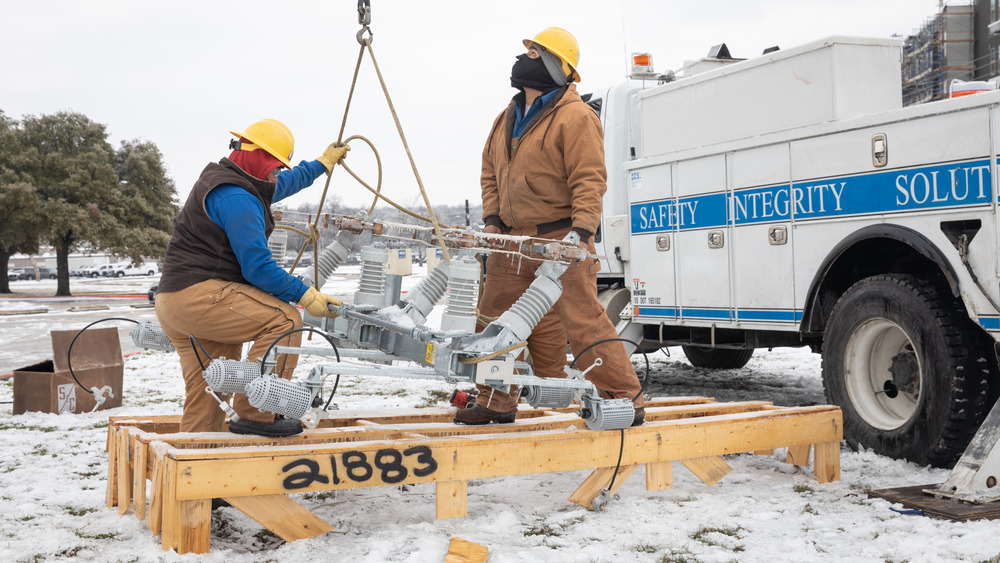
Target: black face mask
[{"x": 530, "y": 73}]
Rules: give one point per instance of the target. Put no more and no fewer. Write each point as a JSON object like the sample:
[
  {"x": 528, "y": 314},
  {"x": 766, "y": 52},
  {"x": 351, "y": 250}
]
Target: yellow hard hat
[
  {"x": 272, "y": 136},
  {"x": 562, "y": 44}
]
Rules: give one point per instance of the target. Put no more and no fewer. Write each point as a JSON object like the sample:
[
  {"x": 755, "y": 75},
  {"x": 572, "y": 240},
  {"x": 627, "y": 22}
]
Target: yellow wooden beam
[
  {"x": 798, "y": 455},
  {"x": 288, "y": 519},
  {"x": 599, "y": 480},
  {"x": 452, "y": 499},
  {"x": 139, "y": 474},
  {"x": 826, "y": 461},
  {"x": 462, "y": 551},
  {"x": 332, "y": 466},
  {"x": 659, "y": 475},
  {"x": 124, "y": 473},
  {"x": 709, "y": 469}
]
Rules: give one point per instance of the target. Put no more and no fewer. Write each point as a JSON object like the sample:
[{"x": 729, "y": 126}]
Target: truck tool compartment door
[
  {"x": 760, "y": 212},
  {"x": 703, "y": 241},
  {"x": 652, "y": 224}
]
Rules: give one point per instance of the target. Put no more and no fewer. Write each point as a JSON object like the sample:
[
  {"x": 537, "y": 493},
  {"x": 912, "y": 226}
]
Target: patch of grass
[
  {"x": 434, "y": 398},
  {"x": 72, "y": 510},
  {"x": 322, "y": 495},
  {"x": 102, "y": 536},
  {"x": 266, "y": 539},
  {"x": 809, "y": 509},
  {"x": 802, "y": 489},
  {"x": 36, "y": 558},
  {"x": 678, "y": 556},
  {"x": 542, "y": 530},
  {"x": 645, "y": 548},
  {"x": 703, "y": 535},
  {"x": 26, "y": 518},
  {"x": 70, "y": 551}
]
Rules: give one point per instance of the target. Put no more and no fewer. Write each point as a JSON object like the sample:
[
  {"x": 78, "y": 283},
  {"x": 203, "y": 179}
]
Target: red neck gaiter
[{"x": 257, "y": 163}]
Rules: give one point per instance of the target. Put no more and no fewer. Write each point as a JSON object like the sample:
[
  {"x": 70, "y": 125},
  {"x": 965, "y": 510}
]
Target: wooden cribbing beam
[{"x": 362, "y": 449}]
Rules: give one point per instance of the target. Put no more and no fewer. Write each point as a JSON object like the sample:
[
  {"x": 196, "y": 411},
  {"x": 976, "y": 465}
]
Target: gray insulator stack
[
  {"x": 230, "y": 376},
  {"x": 371, "y": 286},
  {"x": 279, "y": 396},
  {"x": 551, "y": 397},
  {"x": 331, "y": 258},
  {"x": 427, "y": 293},
  {"x": 277, "y": 243},
  {"x": 523, "y": 315},
  {"x": 609, "y": 414},
  {"x": 463, "y": 295},
  {"x": 151, "y": 337}
]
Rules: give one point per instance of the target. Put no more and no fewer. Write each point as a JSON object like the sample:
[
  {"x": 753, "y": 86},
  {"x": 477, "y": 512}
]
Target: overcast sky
[{"x": 182, "y": 73}]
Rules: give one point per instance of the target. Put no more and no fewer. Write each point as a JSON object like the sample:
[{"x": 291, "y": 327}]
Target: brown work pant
[
  {"x": 577, "y": 315},
  {"x": 222, "y": 316}
]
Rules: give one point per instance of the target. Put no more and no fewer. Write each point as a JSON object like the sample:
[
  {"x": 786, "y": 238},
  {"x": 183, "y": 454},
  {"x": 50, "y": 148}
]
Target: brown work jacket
[{"x": 553, "y": 175}]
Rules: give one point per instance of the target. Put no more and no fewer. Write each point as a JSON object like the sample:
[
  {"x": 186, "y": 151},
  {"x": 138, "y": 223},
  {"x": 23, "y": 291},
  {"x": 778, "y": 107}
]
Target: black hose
[
  {"x": 194, "y": 341},
  {"x": 642, "y": 389},
  {"x": 69, "y": 361},
  {"x": 645, "y": 380},
  {"x": 325, "y": 336}
]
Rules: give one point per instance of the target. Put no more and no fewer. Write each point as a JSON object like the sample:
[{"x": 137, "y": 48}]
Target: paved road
[{"x": 24, "y": 338}]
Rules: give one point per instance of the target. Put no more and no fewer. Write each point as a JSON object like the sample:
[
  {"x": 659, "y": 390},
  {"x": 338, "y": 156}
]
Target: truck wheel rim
[{"x": 870, "y": 354}]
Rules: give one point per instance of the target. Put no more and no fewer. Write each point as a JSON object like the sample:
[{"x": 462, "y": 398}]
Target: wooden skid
[
  {"x": 371, "y": 449},
  {"x": 914, "y": 498}
]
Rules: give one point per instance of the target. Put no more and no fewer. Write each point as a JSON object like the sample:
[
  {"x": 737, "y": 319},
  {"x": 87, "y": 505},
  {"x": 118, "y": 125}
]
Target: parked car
[
  {"x": 16, "y": 274},
  {"x": 144, "y": 269},
  {"x": 78, "y": 271},
  {"x": 104, "y": 270},
  {"x": 47, "y": 273}
]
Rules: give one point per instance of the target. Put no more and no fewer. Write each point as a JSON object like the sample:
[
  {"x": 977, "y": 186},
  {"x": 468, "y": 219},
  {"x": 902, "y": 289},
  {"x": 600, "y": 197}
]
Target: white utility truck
[{"x": 790, "y": 200}]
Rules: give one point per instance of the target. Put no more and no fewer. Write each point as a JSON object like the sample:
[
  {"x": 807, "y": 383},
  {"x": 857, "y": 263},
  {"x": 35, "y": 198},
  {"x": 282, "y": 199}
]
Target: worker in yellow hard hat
[
  {"x": 220, "y": 284},
  {"x": 543, "y": 175}
]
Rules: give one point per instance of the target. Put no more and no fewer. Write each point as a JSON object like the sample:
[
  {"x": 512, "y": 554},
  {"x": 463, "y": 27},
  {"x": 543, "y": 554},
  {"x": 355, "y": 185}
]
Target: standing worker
[
  {"x": 220, "y": 283},
  {"x": 543, "y": 175}
]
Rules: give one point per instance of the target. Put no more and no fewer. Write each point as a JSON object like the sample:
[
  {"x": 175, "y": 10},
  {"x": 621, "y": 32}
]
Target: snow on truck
[{"x": 790, "y": 200}]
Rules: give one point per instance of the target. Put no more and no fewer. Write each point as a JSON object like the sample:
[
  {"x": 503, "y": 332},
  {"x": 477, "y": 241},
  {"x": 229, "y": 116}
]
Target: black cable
[
  {"x": 69, "y": 362},
  {"x": 621, "y": 448},
  {"x": 642, "y": 389},
  {"x": 194, "y": 341},
  {"x": 645, "y": 380},
  {"x": 336, "y": 382},
  {"x": 325, "y": 336}
]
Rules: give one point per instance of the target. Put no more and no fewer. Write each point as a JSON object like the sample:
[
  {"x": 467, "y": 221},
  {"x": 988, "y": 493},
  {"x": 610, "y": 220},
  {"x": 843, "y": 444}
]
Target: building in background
[
  {"x": 942, "y": 50},
  {"x": 987, "y": 39}
]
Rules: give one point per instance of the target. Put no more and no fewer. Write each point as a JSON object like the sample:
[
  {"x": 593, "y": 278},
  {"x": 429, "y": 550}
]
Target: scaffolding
[{"x": 939, "y": 52}]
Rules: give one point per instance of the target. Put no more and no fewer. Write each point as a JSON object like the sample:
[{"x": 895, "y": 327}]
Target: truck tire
[
  {"x": 902, "y": 360},
  {"x": 717, "y": 358}
]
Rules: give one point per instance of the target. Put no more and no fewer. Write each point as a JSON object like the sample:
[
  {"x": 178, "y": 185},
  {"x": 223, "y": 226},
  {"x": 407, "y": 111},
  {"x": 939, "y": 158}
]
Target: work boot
[
  {"x": 280, "y": 428},
  {"x": 481, "y": 415},
  {"x": 640, "y": 416}
]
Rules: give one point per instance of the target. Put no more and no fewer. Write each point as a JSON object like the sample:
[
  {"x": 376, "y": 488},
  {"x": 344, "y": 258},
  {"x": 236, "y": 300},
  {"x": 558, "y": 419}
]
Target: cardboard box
[{"x": 48, "y": 386}]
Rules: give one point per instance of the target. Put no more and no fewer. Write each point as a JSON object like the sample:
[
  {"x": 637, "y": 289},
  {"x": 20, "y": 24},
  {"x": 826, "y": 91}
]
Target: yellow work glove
[
  {"x": 333, "y": 154},
  {"x": 318, "y": 303}
]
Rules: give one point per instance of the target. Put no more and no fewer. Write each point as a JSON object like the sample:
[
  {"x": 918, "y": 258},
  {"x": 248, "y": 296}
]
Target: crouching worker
[{"x": 219, "y": 282}]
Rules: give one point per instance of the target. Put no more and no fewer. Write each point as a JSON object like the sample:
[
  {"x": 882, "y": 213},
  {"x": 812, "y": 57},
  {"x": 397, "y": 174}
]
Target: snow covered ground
[{"x": 53, "y": 472}]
